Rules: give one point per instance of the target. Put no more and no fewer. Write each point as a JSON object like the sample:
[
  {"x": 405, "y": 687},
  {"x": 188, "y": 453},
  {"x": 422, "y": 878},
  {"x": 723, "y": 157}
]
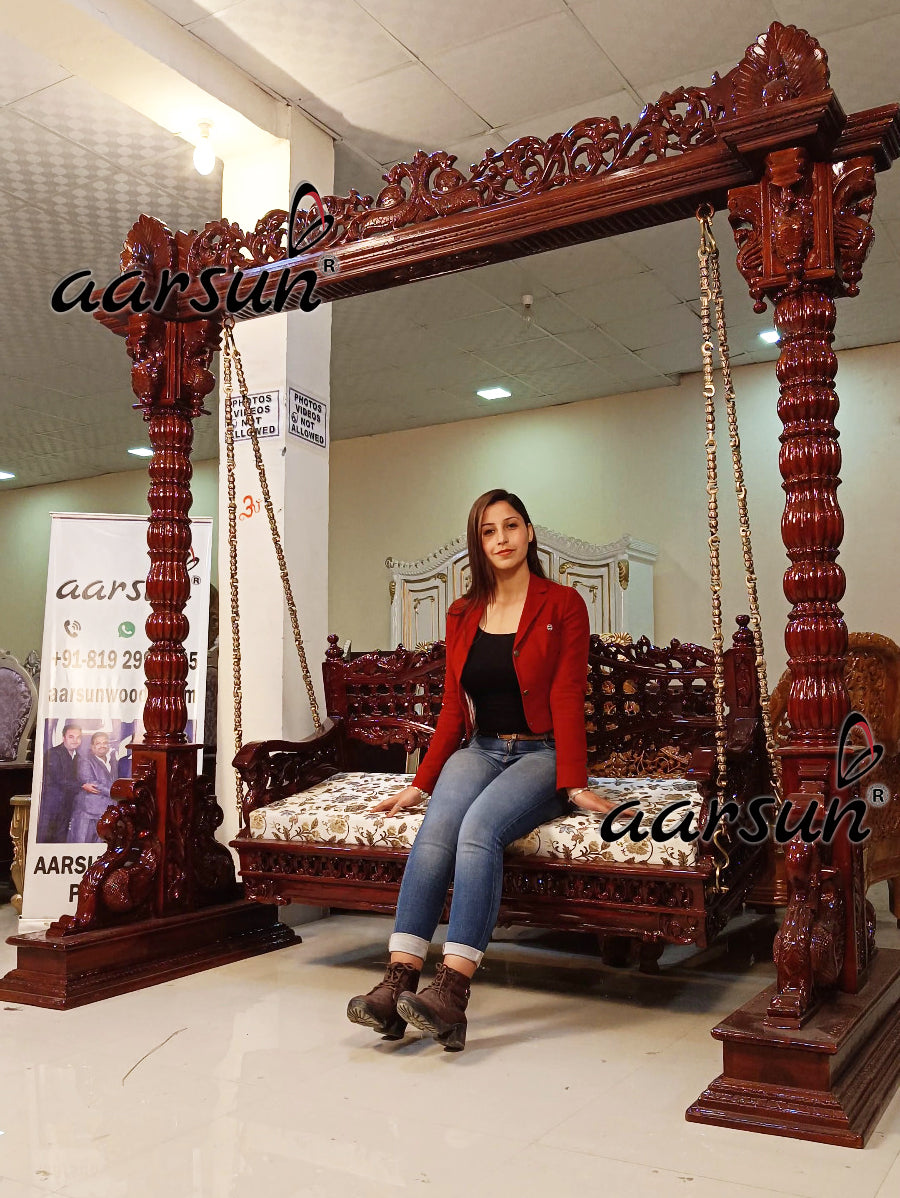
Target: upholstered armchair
[{"x": 18, "y": 709}]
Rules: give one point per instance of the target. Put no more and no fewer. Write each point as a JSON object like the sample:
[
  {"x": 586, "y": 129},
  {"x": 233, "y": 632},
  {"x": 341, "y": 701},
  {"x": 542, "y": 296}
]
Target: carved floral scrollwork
[
  {"x": 784, "y": 63},
  {"x": 854, "y": 198},
  {"x": 120, "y": 884},
  {"x": 200, "y": 342},
  {"x": 810, "y": 945},
  {"x": 150, "y": 248},
  {"x": 224, "y": 243},
  {"x": 146, "y": 346},
  {"x": 213, "y": 867}
]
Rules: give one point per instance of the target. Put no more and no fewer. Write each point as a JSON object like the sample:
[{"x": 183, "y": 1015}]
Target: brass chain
[
  {"x": 232, "y": 576},
  {"x": 231, "y": 352},
  {"x": 744, "y": 521},
  {"x": 712, "y": 509}
]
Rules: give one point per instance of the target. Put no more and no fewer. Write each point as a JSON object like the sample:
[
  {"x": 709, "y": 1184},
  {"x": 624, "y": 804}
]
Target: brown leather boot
[
  {"x": 378, "y": 1008},
  {"x": 440, "y": 1009}
]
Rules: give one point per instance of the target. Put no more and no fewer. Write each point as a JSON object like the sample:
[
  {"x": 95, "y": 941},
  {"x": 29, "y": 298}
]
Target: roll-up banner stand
[{"x": 92, "y": 692}]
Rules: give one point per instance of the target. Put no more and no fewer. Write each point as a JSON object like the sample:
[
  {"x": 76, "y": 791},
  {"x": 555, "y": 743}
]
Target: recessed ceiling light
[
  {"x": 141, "y": 451},
  {"x": 494, "y": 393},
  {"x": 4, "y": 474},
  {"x": 770, "y": 336}
]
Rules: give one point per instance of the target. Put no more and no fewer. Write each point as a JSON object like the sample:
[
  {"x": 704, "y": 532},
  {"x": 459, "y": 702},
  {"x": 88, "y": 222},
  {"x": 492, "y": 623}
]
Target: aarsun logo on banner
[{"x": 179, "y": 281}]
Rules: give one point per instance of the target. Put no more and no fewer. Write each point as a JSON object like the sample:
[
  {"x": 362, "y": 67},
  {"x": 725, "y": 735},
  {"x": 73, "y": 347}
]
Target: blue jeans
[{"x": 488, "y": 795}]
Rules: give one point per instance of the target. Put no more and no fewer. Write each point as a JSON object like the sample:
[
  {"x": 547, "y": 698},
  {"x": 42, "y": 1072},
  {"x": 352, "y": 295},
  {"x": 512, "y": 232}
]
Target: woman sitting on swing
[{"x": 516, "y": 677}]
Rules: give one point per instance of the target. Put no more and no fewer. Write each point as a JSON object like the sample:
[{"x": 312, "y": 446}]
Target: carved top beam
[{"x": 600, "y": 178}]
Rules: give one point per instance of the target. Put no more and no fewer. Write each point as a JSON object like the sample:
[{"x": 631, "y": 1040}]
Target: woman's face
[{"x": 504, "y": 537}]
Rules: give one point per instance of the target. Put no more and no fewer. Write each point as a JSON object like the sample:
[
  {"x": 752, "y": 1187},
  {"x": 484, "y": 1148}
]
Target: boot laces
[{"x": 396, "y": 972}]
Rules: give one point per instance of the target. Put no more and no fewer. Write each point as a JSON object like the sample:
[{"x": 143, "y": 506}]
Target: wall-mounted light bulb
[{"x": 204, "y": 154}]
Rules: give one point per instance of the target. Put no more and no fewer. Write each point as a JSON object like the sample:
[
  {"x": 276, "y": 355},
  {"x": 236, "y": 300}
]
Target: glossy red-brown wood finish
[
  {"x": 649, "y": 709},
  {"x": 803, "y": 233},
  {"x": 771, "y": 139}
]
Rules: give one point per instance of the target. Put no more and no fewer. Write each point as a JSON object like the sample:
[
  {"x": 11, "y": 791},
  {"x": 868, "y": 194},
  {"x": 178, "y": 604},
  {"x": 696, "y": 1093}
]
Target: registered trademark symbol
[{"x": 878, "y": 795}]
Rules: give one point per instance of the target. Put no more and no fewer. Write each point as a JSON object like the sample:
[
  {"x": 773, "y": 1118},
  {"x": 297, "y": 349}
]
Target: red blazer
[{"x": 550, "y": 655}]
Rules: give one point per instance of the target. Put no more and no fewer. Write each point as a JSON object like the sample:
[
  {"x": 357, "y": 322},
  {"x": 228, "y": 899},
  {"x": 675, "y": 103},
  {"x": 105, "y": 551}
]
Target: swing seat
[
  {"x": 309, "y": 835},
  {"x": 338, "y": 812}
]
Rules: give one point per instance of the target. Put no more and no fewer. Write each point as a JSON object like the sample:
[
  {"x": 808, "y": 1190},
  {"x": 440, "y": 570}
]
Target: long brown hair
[{"x": 484, "y": 583}]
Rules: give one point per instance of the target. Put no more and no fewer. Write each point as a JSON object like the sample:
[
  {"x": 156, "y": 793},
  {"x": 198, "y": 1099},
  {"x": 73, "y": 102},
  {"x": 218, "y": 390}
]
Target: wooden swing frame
[{"x": 817, "y": 1055}]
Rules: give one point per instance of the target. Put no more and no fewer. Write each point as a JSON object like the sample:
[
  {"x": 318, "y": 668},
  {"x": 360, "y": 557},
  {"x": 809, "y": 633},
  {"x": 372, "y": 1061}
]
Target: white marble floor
[{"x": 248, "y": 1080}]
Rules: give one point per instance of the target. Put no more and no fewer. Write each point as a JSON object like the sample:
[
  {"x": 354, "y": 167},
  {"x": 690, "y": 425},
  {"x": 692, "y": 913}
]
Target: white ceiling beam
[{"x": 133, "y": 52}]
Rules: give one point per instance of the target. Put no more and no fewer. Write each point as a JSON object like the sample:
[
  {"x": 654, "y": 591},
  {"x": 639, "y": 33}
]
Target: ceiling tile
[
  {"x": 823, "y": 16},
  {"x": 84, "y": 115},
  {"x": 582, "y": 265},
  {"x": 552, "y": 315},
  {"x": 449, "y": 297},
  {"x": 673, "y": 357},
  {"x": 325, "y": 46},
  {"x": 579, "y": 380},
  {"x": 424, "y": 28},
  {"x": 491, "y": 78},
  {"x": 487, "y": 331},
  {"x": 407, "y": 110},
  {"x": 24, "y": 71},
  {"x": 509, "y": 281},
  {"x": 684, "y": 36},
  {"x": 601, "y": 303},
  {"x": 186, "y": 11},
  {"x": 543, "y": 353},
  {"x": 862, "y": 75},
  {"x": 654, "y": 89},
  {"x": 652, "y": 326},
  {"x": 620, "y": 103},
  {"x": 591, "y": 343}
]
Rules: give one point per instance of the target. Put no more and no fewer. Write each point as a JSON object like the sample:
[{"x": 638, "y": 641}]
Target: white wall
[
  {"x": 630, "y": 463},
  {"x": 25, "y": 538}
]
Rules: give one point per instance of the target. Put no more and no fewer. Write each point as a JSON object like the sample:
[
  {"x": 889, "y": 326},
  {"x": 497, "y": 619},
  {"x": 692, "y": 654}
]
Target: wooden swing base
[
  {"x": 770, "y": 141},
  {"x": 80, "y": 969},
  {"x": 827, "y": 1081}
]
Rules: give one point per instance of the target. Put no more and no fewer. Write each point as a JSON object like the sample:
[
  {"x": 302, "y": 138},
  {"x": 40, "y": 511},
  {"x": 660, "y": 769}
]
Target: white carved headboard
[{"x": 615, "y": 580}]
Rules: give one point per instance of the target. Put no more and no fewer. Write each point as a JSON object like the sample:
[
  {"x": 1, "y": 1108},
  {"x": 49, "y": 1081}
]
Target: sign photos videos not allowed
[
  {"x": 266, "y": 409},
  {"x": 307, "y": 417}
]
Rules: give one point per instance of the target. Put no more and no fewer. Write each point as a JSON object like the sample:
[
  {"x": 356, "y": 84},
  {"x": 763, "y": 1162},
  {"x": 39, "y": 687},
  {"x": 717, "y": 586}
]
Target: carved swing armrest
[
  {"x": 390, "y": 730},
  {"x": 276, "y": 769},
  {"x": 740, "y": 741},
  {"x": 743, "y": 745}
]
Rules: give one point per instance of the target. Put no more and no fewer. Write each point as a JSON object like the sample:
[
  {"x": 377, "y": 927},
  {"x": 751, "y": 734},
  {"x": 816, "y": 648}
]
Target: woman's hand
[
  {"x": 410, "y": 796},
  {"x": 589, "y": 800}
]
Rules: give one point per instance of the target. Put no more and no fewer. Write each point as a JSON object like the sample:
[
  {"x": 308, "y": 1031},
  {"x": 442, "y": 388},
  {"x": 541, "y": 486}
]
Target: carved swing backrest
[{"x": 647, "y": 707}]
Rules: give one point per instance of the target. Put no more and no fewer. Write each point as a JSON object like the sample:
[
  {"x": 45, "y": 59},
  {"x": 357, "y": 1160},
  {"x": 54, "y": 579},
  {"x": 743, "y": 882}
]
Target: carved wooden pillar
[
  {"x": 802, "y": 234},
  {"x": 163, "y": 857}
]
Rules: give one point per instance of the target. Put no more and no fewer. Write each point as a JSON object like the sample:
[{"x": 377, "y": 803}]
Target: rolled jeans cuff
[
  {"x": 463, "y": 950},
  {"x": 405, "y": 942}
]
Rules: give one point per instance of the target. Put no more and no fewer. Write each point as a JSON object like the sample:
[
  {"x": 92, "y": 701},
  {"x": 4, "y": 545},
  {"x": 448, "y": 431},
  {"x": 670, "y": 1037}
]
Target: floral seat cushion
[{"x": 338, "y": 812}]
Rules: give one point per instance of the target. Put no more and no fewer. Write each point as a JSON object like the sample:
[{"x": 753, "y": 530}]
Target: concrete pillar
[{"x": 279, "y": 352}]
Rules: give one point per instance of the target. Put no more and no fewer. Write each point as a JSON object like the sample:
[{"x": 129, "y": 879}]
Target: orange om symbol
[{"x": 251, "y": 507}]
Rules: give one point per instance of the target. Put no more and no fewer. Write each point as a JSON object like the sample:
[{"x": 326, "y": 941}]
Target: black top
[{"x": 489, "y": 676}]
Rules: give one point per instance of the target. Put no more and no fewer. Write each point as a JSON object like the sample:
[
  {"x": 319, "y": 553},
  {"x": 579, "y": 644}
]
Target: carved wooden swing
[{"x": 816, "y": 1056}]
